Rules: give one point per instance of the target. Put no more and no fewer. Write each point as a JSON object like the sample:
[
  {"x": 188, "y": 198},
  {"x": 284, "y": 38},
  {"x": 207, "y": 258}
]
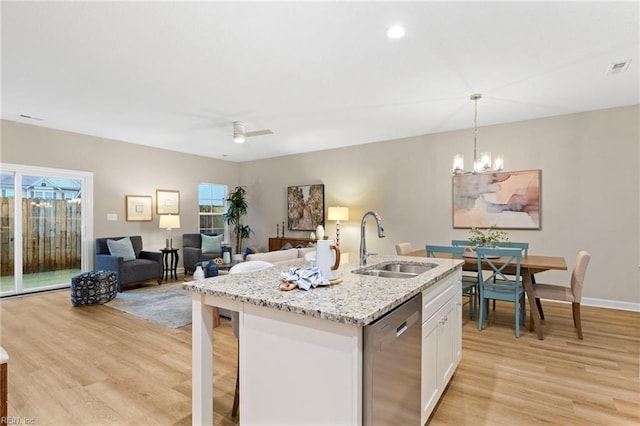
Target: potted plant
[
  {"x": 236, "y": 208},
  {"x": 487, "y": 238}
]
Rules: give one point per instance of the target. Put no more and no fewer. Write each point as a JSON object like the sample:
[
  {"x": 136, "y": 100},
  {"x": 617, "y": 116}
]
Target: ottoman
[{"x": 94, "y": 287}]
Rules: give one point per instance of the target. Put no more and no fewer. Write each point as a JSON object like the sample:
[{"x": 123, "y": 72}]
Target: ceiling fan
[{"x": 239, "y": 133}]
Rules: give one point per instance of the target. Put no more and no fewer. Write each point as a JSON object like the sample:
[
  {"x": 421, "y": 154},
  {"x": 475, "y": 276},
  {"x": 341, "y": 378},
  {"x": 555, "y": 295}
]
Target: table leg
[
  {"x": 165, "y": 266},
  {"x": 201, "y": 361},
  {"x": 534, "y": 321},
  {"x": 174, "y": 265}
]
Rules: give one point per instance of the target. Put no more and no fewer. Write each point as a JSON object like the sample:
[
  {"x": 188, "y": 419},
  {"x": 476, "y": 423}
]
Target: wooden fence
[{"x": 51, "y": 235}]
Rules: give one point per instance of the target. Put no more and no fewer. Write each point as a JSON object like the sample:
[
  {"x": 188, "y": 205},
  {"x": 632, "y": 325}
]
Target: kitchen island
[{"x": 301, "y": 352}]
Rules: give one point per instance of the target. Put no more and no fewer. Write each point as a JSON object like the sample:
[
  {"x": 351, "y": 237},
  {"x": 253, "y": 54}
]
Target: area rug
[{"x": 166, "y": 304}]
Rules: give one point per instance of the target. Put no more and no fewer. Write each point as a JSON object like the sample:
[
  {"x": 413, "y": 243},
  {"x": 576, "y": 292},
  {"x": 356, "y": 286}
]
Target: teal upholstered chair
[
  {"x": 469, "y": 283},
  {"x": 497, "y": 284}
]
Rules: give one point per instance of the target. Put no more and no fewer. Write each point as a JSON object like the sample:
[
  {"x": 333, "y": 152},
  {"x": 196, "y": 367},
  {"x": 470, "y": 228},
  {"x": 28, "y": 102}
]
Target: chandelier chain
[{"x": 475, "y": 130}]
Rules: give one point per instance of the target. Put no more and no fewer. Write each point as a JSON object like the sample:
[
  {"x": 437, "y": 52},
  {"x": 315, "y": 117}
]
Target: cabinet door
[
  {"x": 457, "y": 328},
  {"x": 446, "y": 341},
  {"x": 430, "y": 375}
]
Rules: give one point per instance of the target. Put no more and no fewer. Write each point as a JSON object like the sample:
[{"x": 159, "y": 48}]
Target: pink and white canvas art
[{"x": 510, "y": 200}]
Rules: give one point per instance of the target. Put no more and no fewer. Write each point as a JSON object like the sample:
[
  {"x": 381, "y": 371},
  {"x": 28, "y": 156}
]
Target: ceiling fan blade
[{"x": 259, "y": 133}]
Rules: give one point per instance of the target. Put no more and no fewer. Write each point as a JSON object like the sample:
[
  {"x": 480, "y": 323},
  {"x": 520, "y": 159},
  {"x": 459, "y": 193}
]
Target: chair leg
[
  {"x": 576, "y": 319},
  {"x": 472, "y": 304},
  {"x": 236, "y": 397},
  {"x": 481, "y": 314},
  {"x": 517, "y": 315}
]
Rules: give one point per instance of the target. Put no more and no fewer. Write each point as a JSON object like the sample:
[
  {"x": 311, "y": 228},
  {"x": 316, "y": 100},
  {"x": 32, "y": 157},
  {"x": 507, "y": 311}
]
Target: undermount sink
[
  {"x": 395, "y": 270},
  {"x": 412, "y": 268}
]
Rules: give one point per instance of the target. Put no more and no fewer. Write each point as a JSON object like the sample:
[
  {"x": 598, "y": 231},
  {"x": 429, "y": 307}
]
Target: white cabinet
[{"x": 441, "y": 339}]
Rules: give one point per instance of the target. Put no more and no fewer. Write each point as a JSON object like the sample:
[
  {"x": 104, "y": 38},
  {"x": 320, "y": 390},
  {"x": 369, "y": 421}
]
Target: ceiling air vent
[
  {"x": 30, "y": 117},
  {"x": 618, "y": 67}
]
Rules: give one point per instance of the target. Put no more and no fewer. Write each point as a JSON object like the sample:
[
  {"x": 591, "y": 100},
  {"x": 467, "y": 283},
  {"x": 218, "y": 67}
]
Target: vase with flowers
[{"x": 488, "y": 237}]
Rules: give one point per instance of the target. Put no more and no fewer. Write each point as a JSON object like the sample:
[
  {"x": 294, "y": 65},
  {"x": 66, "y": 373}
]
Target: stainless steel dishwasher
[{"x": 392, "y": 362}]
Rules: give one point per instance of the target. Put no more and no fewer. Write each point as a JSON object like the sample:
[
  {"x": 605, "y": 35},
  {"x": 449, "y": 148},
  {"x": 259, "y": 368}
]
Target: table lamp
[
  {"x": 169, "y": 222},
  {"x": 338, "y": 214}
]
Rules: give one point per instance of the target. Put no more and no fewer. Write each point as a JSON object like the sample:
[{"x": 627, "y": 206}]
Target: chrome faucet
[{"x": 363, "y": 244}]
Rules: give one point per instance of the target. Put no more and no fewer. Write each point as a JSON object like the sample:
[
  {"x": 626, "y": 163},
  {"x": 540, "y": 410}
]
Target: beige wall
[
  {"x": 119, "y": 169},
  {"x": 590, "y": 191},
  {"x": 590, "y": 186}
]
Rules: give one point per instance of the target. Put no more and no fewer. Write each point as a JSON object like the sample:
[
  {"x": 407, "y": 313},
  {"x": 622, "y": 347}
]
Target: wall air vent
[{"x": 618, "y": 67}]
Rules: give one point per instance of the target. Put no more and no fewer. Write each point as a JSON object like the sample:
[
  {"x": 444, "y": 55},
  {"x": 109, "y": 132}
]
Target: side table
[{"x": 170, "y": 259}]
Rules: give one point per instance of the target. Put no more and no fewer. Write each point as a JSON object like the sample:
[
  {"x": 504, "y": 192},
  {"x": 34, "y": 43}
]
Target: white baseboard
[
  {"x": 611, "y": 304},
  {"x": 608, "y": 304}
]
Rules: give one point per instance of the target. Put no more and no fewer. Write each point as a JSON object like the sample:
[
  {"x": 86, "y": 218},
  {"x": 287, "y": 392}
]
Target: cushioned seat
[
  {"x": 281, "y": 256},
  {"x": 571, "y": 294},
  {"x": 403, "y": 248},
  {"x": 131, "y": 263},
  {"x": 95, "y": 287},
  {"x": 193, "y": 253}
]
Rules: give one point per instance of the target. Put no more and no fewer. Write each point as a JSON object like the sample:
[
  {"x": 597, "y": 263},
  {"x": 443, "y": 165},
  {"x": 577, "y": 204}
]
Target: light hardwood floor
[{"x": 96, "y": 365}]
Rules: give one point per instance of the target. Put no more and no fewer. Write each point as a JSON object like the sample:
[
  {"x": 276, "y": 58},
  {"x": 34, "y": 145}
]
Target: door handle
[{"x": 401, "y": 329}]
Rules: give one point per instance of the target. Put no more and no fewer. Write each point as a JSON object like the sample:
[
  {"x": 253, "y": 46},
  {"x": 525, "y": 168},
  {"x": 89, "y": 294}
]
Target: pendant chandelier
[{"x": 482, "y": 163}]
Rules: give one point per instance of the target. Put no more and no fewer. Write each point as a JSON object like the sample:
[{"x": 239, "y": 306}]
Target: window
[{"x": 212, "y": 203}]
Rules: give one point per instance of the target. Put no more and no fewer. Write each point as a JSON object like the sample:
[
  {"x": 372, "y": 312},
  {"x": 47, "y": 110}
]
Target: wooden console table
[{"x": 277, "y": 243}]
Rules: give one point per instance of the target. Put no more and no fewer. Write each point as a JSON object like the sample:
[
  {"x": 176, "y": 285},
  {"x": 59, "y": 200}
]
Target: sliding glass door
[{"x": 49, "y": 242}]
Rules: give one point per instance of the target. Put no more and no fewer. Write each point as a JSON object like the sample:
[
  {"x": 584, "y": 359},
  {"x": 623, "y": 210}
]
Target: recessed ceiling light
[{"x": 395, "y": 31}]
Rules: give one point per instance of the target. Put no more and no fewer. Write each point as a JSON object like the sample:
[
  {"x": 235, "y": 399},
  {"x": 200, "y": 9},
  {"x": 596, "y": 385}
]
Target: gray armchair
[
  {"x": 146, "y": 266},
  {"x": 191, "y": 248}
]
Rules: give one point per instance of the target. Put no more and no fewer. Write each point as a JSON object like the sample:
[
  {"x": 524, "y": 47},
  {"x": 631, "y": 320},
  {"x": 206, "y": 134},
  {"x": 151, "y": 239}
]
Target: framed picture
[
  {"x": 305, "y": 207},
  {"x": 167, "y": 201},
  {"x": 509, "y": 200},
  {"x": 138, "y": 208}
]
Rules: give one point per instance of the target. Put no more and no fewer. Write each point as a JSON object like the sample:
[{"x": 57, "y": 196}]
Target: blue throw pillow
[
  {"x": 248, "y": 250},
  {"x": 211, "y": 244},
  {"x": 122, "y": 248},
  {"x": 287, "y": 246}
]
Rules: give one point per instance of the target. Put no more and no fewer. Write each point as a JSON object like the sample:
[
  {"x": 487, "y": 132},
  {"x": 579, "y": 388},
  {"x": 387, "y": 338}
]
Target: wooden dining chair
[
  {"x": 525, "y": 252},
  {"x": 514, "y": 244},
  {"x": 469, "y": 283},
  {"x": 240, "y": 268},
  {"x": 463, "y": 243},
  {"x": 494, "y": 282},
  {"x": 571, "y": 294},
  {"x": 403, "y": 248},
  {"x": 466, "y": 244}
]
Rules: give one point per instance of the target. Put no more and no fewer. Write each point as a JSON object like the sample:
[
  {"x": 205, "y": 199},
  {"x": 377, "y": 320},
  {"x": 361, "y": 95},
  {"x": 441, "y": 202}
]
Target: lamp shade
[
  {"x": 169, "y": 221},
  {"x": 338, "y": 213}
]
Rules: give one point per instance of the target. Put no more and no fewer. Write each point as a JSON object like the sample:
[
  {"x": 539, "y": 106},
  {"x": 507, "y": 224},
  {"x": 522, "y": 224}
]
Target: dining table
[{"x": 529, "y": 265}]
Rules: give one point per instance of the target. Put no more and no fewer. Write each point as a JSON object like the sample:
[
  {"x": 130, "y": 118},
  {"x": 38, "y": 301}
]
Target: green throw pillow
[
  {"x": 122, "y": 248},
  {"x": 211, "y": 244}
]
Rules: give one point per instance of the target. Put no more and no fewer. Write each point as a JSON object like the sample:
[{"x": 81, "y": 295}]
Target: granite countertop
[{"x": 358, "y": 300}]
